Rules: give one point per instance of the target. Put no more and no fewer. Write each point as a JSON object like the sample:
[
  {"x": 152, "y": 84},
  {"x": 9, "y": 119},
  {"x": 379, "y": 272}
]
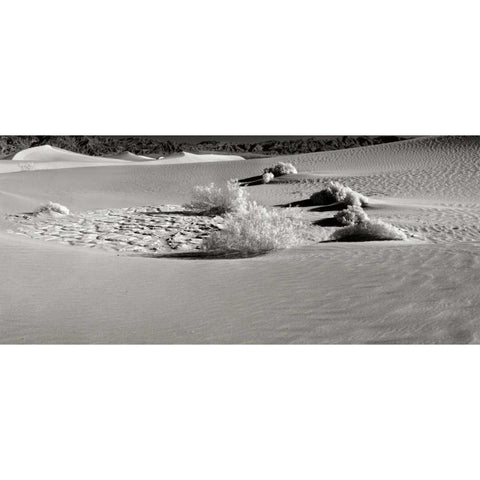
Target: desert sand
[{"x": 82, "y": 279}]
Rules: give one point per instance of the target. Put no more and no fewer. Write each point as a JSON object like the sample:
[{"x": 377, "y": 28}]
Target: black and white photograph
[
  {"x": 239, "y": 240},
  {"x": 233, "y": 240}
]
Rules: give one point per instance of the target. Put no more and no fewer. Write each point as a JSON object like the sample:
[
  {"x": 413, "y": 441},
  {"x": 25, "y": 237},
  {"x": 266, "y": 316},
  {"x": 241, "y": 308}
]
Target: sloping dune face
[
  {"x": 46, "y": 157},
  {"x": 437, "y": 167},
  {"x": 423, "y": 290},
  {"x": 186, "y": 157},
  {"x": 131, "y": 157}
]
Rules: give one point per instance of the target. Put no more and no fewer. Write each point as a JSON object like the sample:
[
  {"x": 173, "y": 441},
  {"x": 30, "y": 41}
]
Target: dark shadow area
[
  {"x": 329, "y": 208},
  {"x": 381, "y": 206},
  {"x": 360, "y": 238},
  {"x": 317, "y": 208},
  {"x": 327, "y": 222},
  {"x": 334, "y": 206},
  {"x": 299, "y": 203},
  {"x": 199, "y": 255},
  {"x": 250, "y": 181}
]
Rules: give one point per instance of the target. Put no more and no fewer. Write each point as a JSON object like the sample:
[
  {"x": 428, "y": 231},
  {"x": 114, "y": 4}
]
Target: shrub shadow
[
  {"x": 317, "y": 208},
  {"x": 200, "y": 255},
  {"x": 299, "y": 203},
  {"x": 360, "y": 238},
  {"x": 327, "y": 222},
  {"x": 330, "y": 207},
  {"x": 251, "y": 181}
]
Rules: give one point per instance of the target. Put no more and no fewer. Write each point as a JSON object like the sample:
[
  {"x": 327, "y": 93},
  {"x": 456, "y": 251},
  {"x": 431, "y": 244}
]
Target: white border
[
  {"x": 255, "y": 67},
  {"x": 239, "y": 412}
]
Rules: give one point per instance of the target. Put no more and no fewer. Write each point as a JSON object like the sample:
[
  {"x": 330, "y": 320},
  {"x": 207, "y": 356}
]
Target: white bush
[
  {"x": 367, "y": 231},
  {"x": 335, "y": 192},
  {"x": 281, "y": 168},
  {"x": 215, "y": 200},
  {"x": 352, "y": 214},
  {"x": 52, "y": 208},
  {"x": 267, "y": 177},
  {"x": 26, "y": 166},
  {"x": 257, "y": 230}
]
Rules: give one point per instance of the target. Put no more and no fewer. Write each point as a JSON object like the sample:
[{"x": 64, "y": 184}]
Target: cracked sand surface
[{"x": 142, "y": 230}]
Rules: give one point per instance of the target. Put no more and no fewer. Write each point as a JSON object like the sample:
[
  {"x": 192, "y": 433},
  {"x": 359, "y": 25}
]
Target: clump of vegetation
[
  {"x": 368, "y": 230},
  {"x": 267, "y": 177},
  {"x": 257, "y": 229},
  {"x": 51, "y": 208},
  {"x": 335, "y": 192},
  {"x": 281, "y": 168},
  {"x": 213, "y": 200},
  {"x": 26, "y": 166},
  {"x": 351, "y": 215}
]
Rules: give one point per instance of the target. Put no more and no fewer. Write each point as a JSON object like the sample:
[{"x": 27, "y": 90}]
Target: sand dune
[
  {"x": 419, "y": 291},
  {"x": 132, "y": 157},
  {"x": 46, "y": 157},
  {"x": 187, "y": 157}
]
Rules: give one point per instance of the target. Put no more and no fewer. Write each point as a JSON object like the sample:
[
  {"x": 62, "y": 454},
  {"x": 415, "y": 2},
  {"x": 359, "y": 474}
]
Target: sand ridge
[
  {"x": 46, "y": 157},
  {"x": 132, "y": 157}
]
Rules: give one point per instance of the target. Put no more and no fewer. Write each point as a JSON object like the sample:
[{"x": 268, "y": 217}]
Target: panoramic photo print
[{"x": 239, "y": 239}]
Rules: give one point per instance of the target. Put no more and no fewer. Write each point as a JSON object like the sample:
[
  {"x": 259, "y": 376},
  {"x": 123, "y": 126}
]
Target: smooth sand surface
[
  {"x": 420, "y": 291},
  {"x": 132, "y": 157},
  {"x": 187, "y": 157},
  {"x": 46, "y": 157}
]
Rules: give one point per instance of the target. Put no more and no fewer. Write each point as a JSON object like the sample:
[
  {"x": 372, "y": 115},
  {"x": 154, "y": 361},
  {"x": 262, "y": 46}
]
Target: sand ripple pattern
[
  {"x": 145, "y": 230},
  {"x": 431, "y": 167}
]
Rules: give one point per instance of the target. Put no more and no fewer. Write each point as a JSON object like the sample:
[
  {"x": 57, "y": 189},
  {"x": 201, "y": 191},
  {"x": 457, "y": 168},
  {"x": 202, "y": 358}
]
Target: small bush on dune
[
  {"x": 26, "y": 166},
  {"x": 281, "y": 168},
  {"x": 52, "y": 208},
  {"x": 257, "y": 230},
  {"x": 368, "y": 230},
  {"x": 351, "y": 215},
  {"x": 335, "y": 192},
  {"x": 267, "y": 177},
  {"x": 213, "y": 200}
]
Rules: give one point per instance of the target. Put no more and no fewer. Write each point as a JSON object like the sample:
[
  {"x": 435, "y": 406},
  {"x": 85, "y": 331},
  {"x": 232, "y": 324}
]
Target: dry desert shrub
[
  {"x": 213, "y": 200},
  {"x": 26, "y": 166},
  {"x": 335, "y": 192},
  {"x": 267, "y": 177},
  {"x": 257, "y": 229},
  {"x": 351, "y": 215},
  {"x": 51, "y": 208},
  {"x": 281, "y": 168},
  {"x": 368, "y": 230}
]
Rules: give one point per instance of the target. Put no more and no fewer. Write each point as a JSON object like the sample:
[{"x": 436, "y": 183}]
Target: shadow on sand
[
  {"x": 317, "y": 208},
  {"x": 327, "y": 222},
  {"x": 251, "y": 181},
  {"x": 189, "y": 213},
  {"x": 200, "y": 255}
]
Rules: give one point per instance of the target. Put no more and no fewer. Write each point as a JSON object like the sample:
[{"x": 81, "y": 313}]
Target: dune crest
[
  {"x": 133, "y": 157},
  {"x": 46, "y": 157},
  {"x": 188, "y": 157},
  {"x": 46, "y": 153}
]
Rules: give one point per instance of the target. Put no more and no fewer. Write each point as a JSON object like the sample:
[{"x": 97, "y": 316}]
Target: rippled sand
[{"x": 420, "y": 291}]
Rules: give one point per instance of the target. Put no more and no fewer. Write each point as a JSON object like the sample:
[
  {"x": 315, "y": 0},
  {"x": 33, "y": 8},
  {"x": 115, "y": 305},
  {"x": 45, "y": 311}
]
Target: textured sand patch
[{"x": 145, "y": 230}]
